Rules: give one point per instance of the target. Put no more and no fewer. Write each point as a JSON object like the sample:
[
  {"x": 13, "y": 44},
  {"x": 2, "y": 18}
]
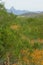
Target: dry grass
[
  {"x": 31, "y": 41},
  {"x": 15, "y": 27},
  {"x": 37, "y": 57}
]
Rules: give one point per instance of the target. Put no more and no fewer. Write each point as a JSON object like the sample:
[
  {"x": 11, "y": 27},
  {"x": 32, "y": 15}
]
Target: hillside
[
  {"x": 21, "y": 39},
  {"x": 32, "y": 14}
]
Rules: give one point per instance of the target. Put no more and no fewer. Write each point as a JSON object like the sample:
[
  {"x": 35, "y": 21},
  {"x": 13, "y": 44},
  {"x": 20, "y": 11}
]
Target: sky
[{"x": 30, "y": 5}]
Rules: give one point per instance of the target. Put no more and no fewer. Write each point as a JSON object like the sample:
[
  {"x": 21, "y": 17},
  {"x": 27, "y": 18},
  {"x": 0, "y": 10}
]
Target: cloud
[{"x": 32, "y": 5}]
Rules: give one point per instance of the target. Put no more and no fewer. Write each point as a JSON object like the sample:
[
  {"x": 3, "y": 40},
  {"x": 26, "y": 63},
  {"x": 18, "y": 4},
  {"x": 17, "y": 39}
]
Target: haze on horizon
[{"x": 30, "y": 5}]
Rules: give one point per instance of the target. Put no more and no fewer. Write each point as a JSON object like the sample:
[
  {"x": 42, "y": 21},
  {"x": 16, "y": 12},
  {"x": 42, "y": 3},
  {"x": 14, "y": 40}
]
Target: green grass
[{"x": 27, "y": 29}]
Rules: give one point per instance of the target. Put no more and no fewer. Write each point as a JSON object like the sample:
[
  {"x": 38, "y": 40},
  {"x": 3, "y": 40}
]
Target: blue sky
[{"x": 31, "y": 5}]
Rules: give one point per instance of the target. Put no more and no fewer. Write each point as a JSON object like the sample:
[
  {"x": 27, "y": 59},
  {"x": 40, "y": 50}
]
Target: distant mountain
[
  {"x": 32, "y": 14},
  {"x": 24, "y": 12},
  {"x": 17, "y": 12}
]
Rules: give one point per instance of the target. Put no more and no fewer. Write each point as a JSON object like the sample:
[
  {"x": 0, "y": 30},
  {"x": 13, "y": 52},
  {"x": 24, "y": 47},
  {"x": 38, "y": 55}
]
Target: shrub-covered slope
[{"x": 21, "y": 39}]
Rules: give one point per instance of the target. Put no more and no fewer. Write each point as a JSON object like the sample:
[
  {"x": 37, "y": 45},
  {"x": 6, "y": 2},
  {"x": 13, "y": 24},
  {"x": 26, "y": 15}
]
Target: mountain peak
[
  {"x": 12, "y": 8},
  {"x": 17, "y": 12}
]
